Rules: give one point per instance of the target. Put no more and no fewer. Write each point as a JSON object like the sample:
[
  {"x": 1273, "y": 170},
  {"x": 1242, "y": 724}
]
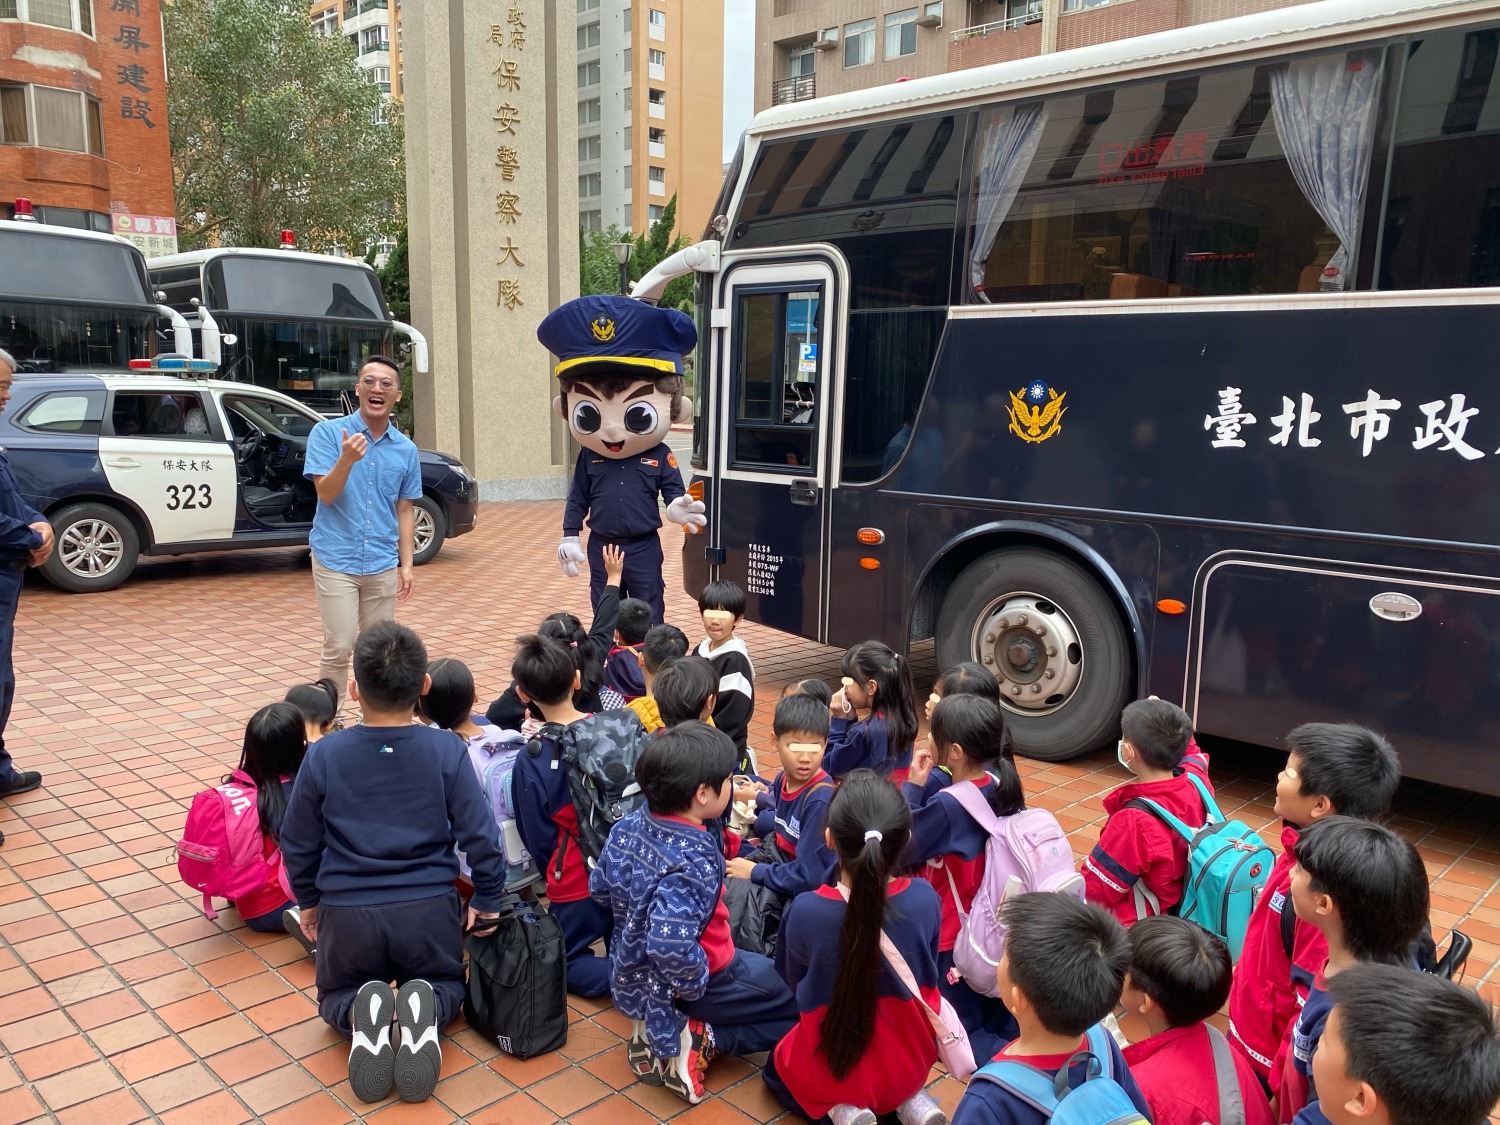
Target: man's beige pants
[{"x": 348, "y": 604}]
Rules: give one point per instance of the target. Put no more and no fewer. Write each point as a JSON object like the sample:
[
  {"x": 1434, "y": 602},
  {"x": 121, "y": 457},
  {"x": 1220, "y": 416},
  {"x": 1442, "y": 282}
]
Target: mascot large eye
[
  {"x": 586, "y": 419},
  {"x": 641, "y": 418}
]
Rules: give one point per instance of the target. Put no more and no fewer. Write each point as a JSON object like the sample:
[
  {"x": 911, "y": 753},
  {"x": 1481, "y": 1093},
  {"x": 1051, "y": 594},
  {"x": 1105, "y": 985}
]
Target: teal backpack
[
  {"x": 1228, "y": 866},
  {"x": 1098, "y": 1100}
]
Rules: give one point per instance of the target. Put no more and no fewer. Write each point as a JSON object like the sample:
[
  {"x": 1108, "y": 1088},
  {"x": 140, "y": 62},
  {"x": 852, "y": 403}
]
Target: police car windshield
[{"x": 285, "y": 419}]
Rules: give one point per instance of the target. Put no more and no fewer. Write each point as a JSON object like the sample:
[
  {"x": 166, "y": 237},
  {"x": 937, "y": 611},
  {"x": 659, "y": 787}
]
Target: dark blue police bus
[{"x": 1161, "y": 366}]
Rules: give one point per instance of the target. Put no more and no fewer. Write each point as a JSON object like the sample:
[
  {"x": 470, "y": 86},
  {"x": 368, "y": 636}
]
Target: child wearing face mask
[{"x": 1140, "y": 863}]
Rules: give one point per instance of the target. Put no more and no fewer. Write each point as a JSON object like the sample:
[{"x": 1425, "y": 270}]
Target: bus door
[{"x": 777, "y": 363}]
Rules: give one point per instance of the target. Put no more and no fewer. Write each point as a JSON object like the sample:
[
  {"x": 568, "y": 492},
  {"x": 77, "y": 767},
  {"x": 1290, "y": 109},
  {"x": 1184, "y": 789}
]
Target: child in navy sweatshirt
[
  {"x": 874, "y": 714},
  {"x": 863, "y": 1046},
  {"x": 793, "y": 855},
  {"x": 622, "y": 669},
  {"x": 947, "y": 845},
  {"x": 1062, "y": 972},
  {"x": 676, "y": 974},
  {"x": 368, "y": 841},
  {"x": 967, "y": 678}
]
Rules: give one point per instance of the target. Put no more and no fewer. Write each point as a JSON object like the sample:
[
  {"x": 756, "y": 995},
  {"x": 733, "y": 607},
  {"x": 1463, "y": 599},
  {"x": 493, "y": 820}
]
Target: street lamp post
[{"x": 622, "y": 256}]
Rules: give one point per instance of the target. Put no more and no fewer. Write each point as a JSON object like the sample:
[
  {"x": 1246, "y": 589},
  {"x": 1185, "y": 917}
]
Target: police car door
[
  {"x": 777, "y": 361},
  {"x": 165, "y": 451}
]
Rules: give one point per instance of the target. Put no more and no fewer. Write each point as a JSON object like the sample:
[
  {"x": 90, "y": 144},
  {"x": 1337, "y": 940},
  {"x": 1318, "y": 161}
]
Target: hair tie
[
  {"x": 873, "y": 834},
  {"x": 572, "y": 644}
]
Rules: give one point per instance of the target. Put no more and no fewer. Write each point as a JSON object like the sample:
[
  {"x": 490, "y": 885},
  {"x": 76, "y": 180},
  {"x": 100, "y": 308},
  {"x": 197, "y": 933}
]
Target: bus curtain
[
  {"x": 1008, "y": 151},
  {"x": 1325, "y": 118}
]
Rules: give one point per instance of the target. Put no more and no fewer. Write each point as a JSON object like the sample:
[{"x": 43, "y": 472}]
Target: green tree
[
  {"x": 275, "y": 126},
  {"x": 395, "y": 278},
  {"x": 599, "y": 273}
]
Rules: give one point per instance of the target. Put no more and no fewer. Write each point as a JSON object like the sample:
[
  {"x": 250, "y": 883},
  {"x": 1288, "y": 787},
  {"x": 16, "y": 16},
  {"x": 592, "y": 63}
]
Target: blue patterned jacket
[{"x": 661, "y": 880}]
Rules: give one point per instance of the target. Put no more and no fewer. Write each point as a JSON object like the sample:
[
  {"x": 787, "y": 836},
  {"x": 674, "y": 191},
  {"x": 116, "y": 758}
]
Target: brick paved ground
[{"x": 120, "y": 1003}]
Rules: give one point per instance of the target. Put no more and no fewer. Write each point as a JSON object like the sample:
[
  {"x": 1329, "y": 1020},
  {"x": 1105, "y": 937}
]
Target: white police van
[{"x": 161, "y": 462}]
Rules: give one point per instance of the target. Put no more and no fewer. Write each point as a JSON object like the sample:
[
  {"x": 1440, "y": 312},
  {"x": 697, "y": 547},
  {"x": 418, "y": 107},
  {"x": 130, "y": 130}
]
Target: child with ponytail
[
  {"x": 862, "y": 1045},
  {"x": 874, "y": 714},
  {"x": 969, "y": 740}
]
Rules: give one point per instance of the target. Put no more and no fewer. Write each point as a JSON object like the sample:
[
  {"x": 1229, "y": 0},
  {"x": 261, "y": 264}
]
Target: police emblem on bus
[
  {"x": 603, "y": 329},
  {"x": 1036, "y": 411}
]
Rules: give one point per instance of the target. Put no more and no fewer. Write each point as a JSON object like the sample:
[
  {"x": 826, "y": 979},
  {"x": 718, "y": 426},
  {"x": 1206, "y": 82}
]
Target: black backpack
[
  {"x": 599, "y": 756},
  {"x": 517, "y": 994}
]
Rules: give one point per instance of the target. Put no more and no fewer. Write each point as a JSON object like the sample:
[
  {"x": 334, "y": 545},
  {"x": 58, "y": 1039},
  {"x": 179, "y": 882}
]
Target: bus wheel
[
  {"x": 1052, "y": 637},
  {"x": 95, "y": 548},
  {"x": 430, "y": 531}
]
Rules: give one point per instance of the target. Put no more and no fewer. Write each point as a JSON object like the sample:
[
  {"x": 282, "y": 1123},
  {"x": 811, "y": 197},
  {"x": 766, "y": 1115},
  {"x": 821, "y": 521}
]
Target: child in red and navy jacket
[
  {"x": 676, "y": 974},
  {"x": 862, "y": 1045},
  {"x": 947, "y": 844},
  {"x": 622, "y": 668},
  {"x": 545, "y": 675},
  {"x": 1365, "y": 889},
  {"x": 876, "y": 682},
  {"x": 1332, "y": 769},
  {"x": 794, "y": 811},
  {"x": 1062, "y": 972},
  {"x": 1179, "y": 976},
  {"x": 1140, "y": 863}
]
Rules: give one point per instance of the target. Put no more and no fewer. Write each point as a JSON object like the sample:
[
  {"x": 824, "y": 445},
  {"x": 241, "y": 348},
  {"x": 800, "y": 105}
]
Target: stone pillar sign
[{"x": 492, "y": 202}]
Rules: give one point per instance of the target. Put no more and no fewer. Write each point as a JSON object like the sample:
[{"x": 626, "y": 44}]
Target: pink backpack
[
  {"x": 1025, "y": 852},
  {"x": 222, "y": 852}
]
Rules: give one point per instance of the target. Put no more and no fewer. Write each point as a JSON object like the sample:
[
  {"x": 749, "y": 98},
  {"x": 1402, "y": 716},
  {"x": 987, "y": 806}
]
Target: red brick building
[{"x": 83, "y": 116}]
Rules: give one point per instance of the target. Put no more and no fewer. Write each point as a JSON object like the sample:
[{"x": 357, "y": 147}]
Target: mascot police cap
[{"x": 595, "y": 334}]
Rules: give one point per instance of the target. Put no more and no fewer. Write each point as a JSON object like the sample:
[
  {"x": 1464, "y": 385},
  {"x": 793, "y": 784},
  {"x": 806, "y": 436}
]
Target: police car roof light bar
[{"x": 172, "y": 363}]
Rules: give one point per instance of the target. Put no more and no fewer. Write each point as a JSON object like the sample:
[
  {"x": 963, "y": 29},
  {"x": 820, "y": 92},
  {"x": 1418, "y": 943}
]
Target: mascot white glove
[
  {"x": 570, "y": 556},
  {"x": 688, "y": 512}
]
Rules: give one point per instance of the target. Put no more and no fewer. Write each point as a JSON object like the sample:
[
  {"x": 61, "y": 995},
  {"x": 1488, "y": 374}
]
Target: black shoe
[
  {"x": 23, "y": 781},
  {"x": 419, "y": 1055},
  {"x": 371, "y": 1057},
  {"x": 291, "y": 922}
]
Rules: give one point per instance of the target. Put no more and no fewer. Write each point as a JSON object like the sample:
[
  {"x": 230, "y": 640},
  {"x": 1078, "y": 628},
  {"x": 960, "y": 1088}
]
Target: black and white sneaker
[
  {"x": 419, "y": 1056},
  {"x": 291, "y": 922},
  {"x": 643, "y": 1064},
  {"x": 371, "y": 1056}
]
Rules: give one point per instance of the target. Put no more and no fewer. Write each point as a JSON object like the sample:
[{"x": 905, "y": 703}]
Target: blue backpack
[
  {"x": 1097, "y": 1100},
  {"x": 1228, "y": 867}
]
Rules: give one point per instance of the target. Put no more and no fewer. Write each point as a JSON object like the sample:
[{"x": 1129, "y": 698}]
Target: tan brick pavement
[{"x": 120, "y": 1003}]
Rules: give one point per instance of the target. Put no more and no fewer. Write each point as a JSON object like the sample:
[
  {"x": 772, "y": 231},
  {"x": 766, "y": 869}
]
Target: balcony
[
  {"x": 1019, "y": 37},
  {"x": 657, "y": 110},
  {"x": 799, "y": 89},
  {"x": 656, "y": 71},
  {"x": 372, "y": 5},
  {"x": 657, "y": 149},
  {"x": 1014, "y": 23},
  {"x": 656, "y": 187},
  {"x": 376, "y": 47}
]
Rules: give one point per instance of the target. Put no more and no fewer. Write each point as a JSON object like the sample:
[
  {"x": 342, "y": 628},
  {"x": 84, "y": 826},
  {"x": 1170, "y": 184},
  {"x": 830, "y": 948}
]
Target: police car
[{"x": 158, "y": 463}]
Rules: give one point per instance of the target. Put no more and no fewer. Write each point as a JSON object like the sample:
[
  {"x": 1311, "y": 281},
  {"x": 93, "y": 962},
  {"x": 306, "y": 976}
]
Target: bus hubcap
[
  {"x": 1033, "y": 649},
  {"x": 422, "y": 531},
  {"x": 91, "y": 548}
]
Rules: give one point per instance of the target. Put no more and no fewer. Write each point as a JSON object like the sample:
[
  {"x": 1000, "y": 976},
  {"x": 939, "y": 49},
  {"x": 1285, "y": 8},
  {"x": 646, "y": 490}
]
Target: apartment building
[
  {"x": 374, "y": 28},
  {"x": 650, "y": 111},
  {"x": 811, "y": 48}
]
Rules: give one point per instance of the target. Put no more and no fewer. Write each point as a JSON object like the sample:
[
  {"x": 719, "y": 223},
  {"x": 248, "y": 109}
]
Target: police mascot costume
[{"x": 619, "y": 380}]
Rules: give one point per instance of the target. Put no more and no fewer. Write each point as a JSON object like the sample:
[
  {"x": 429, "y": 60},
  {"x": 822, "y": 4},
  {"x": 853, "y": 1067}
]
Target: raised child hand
[{"x": 614, "y": 564}]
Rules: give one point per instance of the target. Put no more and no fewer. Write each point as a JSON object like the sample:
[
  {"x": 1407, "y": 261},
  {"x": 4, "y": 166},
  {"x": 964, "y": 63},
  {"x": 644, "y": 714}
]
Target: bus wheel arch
[{"x": 1047, "y": 622}]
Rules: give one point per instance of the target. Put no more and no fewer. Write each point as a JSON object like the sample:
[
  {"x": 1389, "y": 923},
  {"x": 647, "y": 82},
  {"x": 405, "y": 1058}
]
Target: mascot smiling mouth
[{"x": 614, "y": 446}]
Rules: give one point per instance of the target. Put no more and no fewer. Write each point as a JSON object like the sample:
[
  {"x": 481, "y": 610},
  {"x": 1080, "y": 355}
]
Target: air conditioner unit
[{"x": 929, "y": 21}]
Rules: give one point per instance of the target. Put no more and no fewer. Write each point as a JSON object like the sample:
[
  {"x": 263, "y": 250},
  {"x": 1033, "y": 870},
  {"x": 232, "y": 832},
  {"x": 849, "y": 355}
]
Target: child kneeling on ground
[
  {"x": 690, "y": 994},
  {"x": 368, "y": 842}
]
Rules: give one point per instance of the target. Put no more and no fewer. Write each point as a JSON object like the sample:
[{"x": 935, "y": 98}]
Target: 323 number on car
[{"x": 189, "y": 497}]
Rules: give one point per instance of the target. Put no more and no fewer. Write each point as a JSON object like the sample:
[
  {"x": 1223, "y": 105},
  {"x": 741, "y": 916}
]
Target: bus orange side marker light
[
  {"x": 1171, "y": 605},
  {"x": 695, "y": 490},
  {"x": 871, "y": 536},
  {"x": 870, "y": 564}
]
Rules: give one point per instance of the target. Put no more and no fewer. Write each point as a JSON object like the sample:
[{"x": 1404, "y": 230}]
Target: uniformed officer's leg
[
  {"x": 596, "y": 545},
  {"x": 643, "y": 563},
  {"x": 10, "y": 595},
  {"x": 338, "y": 605}
]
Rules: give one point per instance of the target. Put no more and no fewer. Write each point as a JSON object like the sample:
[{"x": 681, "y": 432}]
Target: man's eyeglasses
[{"x": 381, "y": 384}]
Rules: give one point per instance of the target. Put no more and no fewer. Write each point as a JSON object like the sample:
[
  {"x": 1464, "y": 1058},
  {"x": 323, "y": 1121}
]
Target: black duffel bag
[{"x": 518, "y": 980}]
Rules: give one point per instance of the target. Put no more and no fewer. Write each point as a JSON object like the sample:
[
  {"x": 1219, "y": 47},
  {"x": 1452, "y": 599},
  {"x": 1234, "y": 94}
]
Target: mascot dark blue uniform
[{"x": 619, "y": 378}]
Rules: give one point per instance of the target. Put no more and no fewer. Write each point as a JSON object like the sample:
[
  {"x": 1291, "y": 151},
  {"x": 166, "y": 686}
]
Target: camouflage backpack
[{"x": 598, "y": 756}]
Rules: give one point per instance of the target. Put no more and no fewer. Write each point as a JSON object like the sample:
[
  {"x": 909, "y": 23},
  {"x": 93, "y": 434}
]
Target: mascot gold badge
[{"x": 619, "y": 381}]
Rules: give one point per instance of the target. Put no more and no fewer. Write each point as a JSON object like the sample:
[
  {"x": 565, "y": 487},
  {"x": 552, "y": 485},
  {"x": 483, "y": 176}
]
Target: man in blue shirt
[
  {"x": 25, "y": 540},
  {"x": 367, "y": 475}
]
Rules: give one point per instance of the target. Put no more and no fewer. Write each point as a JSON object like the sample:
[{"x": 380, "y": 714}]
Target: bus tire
[
  {"x": 431, "y": 529},
  {"x": 1051, "y": 634},
  {"x": 95, "y": 548}
]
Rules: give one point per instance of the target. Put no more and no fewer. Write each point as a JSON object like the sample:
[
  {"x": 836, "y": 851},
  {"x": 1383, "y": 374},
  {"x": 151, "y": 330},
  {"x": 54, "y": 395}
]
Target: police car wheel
[
  {"x": 96, "y": 548},
  {"x": 431, "y": 530},
  {"x": 1055, "y": 641}
]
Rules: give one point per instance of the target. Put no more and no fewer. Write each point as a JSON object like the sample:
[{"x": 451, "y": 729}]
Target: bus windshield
[
  {"x": 295, "y": 288},
  {"x": 309, "y": 358},
  {"x": 68, "y": 302}
]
